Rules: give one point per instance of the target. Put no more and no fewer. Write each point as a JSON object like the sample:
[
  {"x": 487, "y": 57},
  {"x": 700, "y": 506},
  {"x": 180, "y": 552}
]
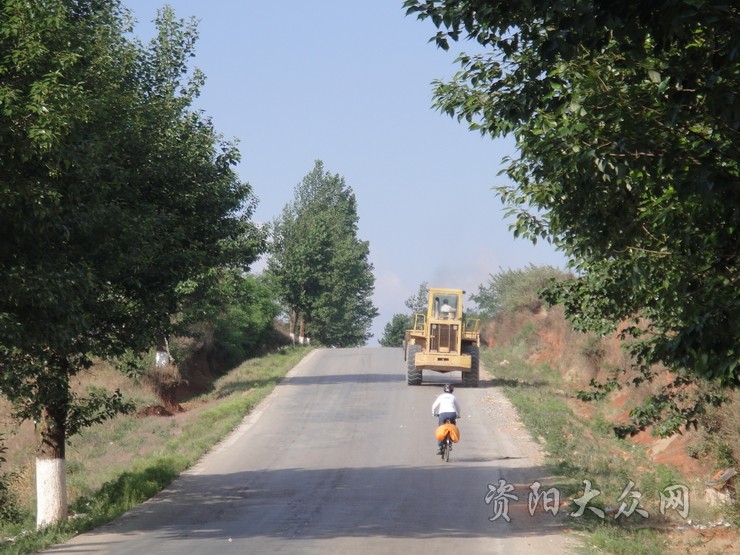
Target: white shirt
[{"x": 446, "y": 402}]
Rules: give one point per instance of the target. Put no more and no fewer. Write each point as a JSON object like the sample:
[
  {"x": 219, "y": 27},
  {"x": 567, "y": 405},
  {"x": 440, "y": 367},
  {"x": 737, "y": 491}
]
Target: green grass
[
  {"x": 606, "y": 538},
  {"x": 153, "y": 452},
  {"x": 585, "y": 448}
]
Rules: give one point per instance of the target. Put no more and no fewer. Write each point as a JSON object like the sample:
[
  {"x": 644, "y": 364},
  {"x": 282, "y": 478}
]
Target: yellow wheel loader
[{"x": 443, "y": 340}]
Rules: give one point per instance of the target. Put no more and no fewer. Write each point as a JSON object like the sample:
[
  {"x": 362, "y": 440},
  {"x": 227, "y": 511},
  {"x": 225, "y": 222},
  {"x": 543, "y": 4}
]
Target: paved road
[{"x": 340, "y": 459}]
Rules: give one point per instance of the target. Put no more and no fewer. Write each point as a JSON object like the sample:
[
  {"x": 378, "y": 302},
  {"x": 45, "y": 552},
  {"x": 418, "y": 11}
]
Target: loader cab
[{"x": 445, "y": 306}]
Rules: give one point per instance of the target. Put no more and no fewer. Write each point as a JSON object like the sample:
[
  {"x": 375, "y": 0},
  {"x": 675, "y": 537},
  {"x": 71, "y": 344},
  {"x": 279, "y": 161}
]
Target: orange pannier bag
[{"x": 447, "y": 428}]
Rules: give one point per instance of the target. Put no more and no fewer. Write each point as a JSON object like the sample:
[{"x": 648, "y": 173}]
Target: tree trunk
[
  {"x": 51, "y": 486},
  {"x": 300, "y": 331},
  {"x": 51, "y": 492},
  {"x": 162, "y": 356},
  {"x": 291, "y": 330}
]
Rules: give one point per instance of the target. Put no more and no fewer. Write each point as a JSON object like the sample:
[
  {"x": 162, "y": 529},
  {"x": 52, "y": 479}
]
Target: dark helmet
[{"x": 449, "y": 388}]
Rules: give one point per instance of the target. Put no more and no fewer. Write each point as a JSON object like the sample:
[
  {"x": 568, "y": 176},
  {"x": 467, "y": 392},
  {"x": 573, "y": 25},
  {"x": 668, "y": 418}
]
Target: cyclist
[{"x": 446, "y": 407}]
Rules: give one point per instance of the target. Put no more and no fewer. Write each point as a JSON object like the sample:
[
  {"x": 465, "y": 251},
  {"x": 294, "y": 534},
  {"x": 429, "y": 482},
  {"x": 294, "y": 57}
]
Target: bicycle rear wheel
[{"x": 446, "y": 450}]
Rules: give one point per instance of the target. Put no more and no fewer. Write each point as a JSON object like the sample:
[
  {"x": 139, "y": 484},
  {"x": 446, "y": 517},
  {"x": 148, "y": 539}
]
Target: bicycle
[
  {"x": 446, "y": 448},
  {"x": 446, "y": 443}
]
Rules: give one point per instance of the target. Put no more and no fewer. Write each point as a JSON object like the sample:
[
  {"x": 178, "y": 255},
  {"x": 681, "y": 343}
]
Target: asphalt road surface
[{"x": 341, "y": 459}]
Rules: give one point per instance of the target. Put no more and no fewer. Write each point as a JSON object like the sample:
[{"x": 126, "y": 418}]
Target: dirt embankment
[
  {"x": 581, "y": 358},
  {"x": 702, "y": 455}
]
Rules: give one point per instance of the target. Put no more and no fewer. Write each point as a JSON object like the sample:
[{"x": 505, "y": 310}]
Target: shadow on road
[
  {"x": 334, "y": 379},
  {"x": 295, "y": 504}
]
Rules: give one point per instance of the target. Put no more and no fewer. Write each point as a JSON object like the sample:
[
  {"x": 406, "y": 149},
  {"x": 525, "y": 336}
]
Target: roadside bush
[
  {"x": 165, "y": 382},
  {"x": 10, "y": 512},
  {"x": 720, "y": 434},
  {"x": 231, "y": 319},
  {"x": 510, "y": 291},
  {"x": 527, "y": 336}
]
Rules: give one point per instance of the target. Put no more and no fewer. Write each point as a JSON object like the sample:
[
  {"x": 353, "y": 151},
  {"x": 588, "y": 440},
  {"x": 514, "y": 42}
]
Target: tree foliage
[
  {"x": 321, "y": 267},
  {"x": 239, "y": 307},
  {"x": 418, "y": 303},
  {"x": 395, "y": 330},
  {"x": 509, "y": 291},
  {"x": 246, "y": 323},
  {"x": 113, "y": 191},
  {"x": 626, "y": 121}
]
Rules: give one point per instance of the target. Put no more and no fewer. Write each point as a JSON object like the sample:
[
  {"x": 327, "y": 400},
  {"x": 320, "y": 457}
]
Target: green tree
[
  {"x": 112, "y": 192},
  {"x": 418, "y": 303},
  {"x": 395, "y": 330},
  {"x": 240, "y": 305},
  {"x": 626, "y": 122},
  {"x": 245, "y": 325},
  {"x": 322, "y": 269}
]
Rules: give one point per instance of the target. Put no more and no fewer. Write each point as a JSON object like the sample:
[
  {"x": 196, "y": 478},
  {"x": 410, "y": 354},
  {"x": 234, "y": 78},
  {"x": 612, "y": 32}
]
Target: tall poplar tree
[
  {"x": 112, "y": 192},
  {"x": 322, "y": 268}
]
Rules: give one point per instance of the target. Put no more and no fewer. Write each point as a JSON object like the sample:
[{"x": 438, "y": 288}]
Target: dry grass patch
[{"x": 117, "y": 464}]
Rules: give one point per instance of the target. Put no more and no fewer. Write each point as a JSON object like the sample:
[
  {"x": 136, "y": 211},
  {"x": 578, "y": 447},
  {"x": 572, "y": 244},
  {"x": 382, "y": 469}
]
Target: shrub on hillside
[{"x": 509, "y": 291}]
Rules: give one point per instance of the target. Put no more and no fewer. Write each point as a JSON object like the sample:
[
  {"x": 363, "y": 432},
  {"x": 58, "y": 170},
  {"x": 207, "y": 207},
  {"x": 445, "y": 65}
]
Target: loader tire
[
  {"x": 471, "y": 378},
  {"x": 413, "y": 374}
]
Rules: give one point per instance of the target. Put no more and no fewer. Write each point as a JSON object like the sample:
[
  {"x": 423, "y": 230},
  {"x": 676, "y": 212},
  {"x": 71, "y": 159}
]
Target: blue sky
[{"x": 349, "y": 83}]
